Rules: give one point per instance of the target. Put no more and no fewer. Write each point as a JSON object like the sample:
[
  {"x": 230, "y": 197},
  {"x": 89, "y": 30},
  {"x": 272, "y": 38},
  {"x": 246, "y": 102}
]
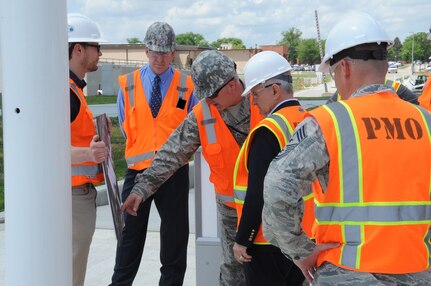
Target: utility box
[{"x": 208, "y": 245}]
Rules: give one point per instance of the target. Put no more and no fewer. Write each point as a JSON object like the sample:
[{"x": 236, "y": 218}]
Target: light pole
[{"x": 413, "y": 47}]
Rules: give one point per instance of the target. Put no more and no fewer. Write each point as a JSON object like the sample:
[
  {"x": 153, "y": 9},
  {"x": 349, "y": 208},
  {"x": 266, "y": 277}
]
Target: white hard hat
[
  {"x": 353, "y": 29},
  {"x": 263, "y": 66},
  {"x": 82, "y": 29}
]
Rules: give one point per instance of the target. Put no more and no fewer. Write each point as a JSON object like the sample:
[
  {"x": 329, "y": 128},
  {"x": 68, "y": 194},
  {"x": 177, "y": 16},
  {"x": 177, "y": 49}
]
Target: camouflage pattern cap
[
  {"x": 160, "y": 37},
  {"x": 210, "y": 71}
]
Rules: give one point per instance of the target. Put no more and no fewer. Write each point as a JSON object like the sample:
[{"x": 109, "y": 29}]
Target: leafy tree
[
  {"x": 421, "y": 49},
  {"x": 236, "y": 43},
  {"x": 291, "y": 39},
  {"x": 308, "y": 51},
  {"x": 191, "y": 39},
  {"x": 134, "y": 40},
  {"x": 394, "y": 52}
]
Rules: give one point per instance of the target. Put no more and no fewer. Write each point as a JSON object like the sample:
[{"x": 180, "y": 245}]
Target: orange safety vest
[
  {"x": 377, "y": 202},
  {"x": 220, "y": 148},
  {"x": 82, "y": 132},
  {"x": 281, "y": 124},
  {"x": 145, "y": 134},
  {"x": 425, "y": 98}
]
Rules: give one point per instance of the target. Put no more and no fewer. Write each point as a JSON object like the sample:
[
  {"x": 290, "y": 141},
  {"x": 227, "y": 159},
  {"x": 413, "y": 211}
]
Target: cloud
[{"x": 253, "y": 21}]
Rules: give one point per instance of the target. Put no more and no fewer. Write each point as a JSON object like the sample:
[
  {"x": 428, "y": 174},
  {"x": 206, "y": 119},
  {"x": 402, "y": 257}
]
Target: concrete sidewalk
[{"x": 317, "y": 91}]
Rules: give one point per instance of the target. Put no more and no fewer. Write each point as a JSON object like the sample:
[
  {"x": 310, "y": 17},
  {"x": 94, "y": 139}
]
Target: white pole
[{"x": 36, "y": 128}]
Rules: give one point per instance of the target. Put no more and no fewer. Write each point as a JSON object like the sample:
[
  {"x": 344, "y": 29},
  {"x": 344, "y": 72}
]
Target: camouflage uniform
[
  {"x": 184, "y": 142},
  {"x": 289, "y": 177}
]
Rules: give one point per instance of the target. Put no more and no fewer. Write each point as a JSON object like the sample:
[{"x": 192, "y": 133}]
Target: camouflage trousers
[
  {"x": 231, "y": 272},
  {"x": 329, "y": 274}
]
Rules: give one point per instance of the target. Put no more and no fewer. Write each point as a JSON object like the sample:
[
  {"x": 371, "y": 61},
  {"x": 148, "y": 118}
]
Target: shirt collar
[
  {"x": 79, "y": 82},
  {"x": 372, "y": 88},
  {"x": 164, "y": 76},
  {"x": 284, "y": 103}
]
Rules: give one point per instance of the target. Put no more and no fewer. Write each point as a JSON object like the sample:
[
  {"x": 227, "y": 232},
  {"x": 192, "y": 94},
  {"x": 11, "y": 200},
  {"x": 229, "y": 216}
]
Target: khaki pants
[{"x": 83, "y": 226}]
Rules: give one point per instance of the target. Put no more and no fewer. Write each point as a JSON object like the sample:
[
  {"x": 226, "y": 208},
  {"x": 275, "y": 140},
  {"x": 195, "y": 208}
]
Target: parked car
[
  {"x": 393, "y": 69},
  {"x": 298, "y": 68},
  {"x": 416, "y": 83}
]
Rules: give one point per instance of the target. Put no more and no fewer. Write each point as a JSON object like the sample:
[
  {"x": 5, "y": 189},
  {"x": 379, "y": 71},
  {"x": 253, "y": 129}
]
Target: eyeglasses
[
  {"x": 97, "y": 46},
  {"x": 333, "y": 68},
  {"x": 216, "y": 93},
  {"x": 255, "y": 94},
  {"x": 161, "y": 54}
]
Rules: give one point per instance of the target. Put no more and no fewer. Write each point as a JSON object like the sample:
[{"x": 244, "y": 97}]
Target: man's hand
[
  {"x": 240, "y": 253},
  {"x": 308, "y": 265},
  {"x": 98, "y": 151},
  {"x": 131, "y": 205}
]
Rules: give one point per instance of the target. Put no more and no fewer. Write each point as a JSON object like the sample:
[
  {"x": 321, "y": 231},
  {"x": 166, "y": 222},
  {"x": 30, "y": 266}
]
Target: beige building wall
[{"x": 185, "y": 55}]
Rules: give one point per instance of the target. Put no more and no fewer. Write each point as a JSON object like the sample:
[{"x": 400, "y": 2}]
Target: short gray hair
[{"x": 284, "y": 80}]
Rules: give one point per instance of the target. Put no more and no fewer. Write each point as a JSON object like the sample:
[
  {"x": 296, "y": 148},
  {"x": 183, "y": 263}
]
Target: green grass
[
  {"x": 118, "y": 144},
  {"x": 101, "y": 99}
]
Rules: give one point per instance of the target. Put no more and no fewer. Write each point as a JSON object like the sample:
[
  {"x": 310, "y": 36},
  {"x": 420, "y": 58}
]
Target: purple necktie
[{"x": 156, "y": 97}]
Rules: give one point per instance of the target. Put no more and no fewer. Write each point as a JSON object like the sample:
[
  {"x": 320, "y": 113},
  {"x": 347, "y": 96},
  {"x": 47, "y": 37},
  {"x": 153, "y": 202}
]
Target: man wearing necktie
[{"x": 152, "y": 102}]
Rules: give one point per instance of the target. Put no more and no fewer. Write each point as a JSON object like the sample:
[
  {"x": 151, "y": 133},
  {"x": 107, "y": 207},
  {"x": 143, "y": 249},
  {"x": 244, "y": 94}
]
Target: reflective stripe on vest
[
  {"x": 130, "y": 88},
  {"x": 88, "y": 171},
  {"x": 208, "y": 122},
  {"x": 352, "y": 213},
  {"x": 285, "y": 127},
  {"x": 75, "y": 90},
  {"x": 394, "y": 84},
  {"x": 224, "y": 199},
  {"x": 138, "y": 158}
]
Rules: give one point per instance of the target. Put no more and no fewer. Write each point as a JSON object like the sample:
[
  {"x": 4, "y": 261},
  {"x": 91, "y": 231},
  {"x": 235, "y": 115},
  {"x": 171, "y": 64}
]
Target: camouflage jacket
[
  {"x": 289, "y": 178},
  {"x": 184, "y": 142}
]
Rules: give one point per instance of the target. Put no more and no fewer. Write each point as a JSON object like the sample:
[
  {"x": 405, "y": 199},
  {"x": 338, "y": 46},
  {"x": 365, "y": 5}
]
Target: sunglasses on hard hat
[{"x": 97, "y": 46}]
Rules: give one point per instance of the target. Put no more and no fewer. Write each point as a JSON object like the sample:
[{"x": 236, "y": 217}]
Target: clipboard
[{"x": 114, "y": 196}]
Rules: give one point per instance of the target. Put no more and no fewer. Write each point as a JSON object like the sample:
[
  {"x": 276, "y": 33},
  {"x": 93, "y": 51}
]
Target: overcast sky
[{"x": 256, "y": 22}]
